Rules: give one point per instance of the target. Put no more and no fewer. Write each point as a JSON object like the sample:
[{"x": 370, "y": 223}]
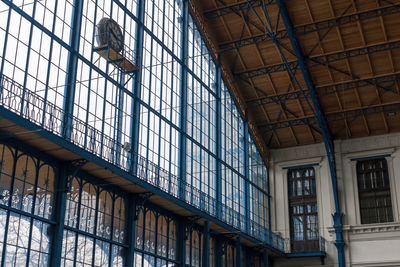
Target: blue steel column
[
  {"x": 269, "y": 200},
  {"x": 61, "y": 200},
  {"x": 246, "y": 171},
  {"x": 131, "y": 229},
  {"x": 219, "y": 243},
  {"x": 323, "y": 124},
  {"x": 206, "y": 244},
  {"x": 183, "y": 117},
  {"x": 135, "y": 122},
  {"x": 69, "y": 93},
  {"x": 181, "y": 241},
  {"x": 238, "y": 252},
  {"x": 265, "y": 258},
  {"x": 218, "y": 131}
]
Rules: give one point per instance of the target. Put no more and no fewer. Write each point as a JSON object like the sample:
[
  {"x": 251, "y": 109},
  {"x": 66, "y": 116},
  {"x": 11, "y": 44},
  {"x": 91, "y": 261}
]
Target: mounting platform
[{"x": 115, "y": 58}]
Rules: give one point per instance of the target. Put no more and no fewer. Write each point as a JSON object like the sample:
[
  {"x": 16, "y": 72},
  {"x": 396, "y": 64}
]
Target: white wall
[{"x": 366, "y": 245}]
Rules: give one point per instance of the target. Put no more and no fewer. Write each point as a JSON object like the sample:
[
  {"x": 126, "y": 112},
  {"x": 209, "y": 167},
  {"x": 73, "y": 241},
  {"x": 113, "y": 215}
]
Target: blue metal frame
[{"x": 72, "y": 68}]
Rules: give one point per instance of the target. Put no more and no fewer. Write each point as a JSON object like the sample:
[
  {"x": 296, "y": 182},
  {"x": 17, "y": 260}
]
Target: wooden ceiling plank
[
  {"x": 348, "y": 65},
  {"x": 389, "y": 52},
  {"x": 270, "y": 80},
  {"x": 360, "y": 28},
  {"x": 317, "y": 33}
]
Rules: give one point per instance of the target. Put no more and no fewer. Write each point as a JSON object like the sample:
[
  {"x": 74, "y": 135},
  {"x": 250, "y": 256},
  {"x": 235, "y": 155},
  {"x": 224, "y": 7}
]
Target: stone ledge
[{"x": 369, "y": 228}]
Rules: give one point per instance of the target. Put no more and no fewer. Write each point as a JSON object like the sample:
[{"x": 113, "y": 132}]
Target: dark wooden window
[
  {"x": 303, "y": 210},
  {"x": 374, "y": 191}
]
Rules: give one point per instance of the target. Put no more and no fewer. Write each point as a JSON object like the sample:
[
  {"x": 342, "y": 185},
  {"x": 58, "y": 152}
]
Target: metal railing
[
  {"x": 36, "y": 109},
  {"x": 304, "y": 246}
]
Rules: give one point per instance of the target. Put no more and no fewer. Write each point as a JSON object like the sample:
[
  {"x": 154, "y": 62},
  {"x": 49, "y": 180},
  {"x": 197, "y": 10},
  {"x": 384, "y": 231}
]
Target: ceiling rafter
[
  {"x": 333, "y": 116},
  {"x": 243, "y": 64},
  {"x": 360, "y": 28},
  {"x": 283, "y": 109},
  {"x": 320, "y": 44},
  {"x": 231, "y": 9},
  {"x": 338, "y": 30},
  {"x": 323, "y": 59},
  {"x": 312, "y": 27},
  {"x": 332, "y": 88},
  {"x": 282, "y": 105}
]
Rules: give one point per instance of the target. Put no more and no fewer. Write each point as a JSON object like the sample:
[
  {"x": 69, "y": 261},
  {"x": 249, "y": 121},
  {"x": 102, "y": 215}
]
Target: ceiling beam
[
  {"x": 321, "y": 59},
  {"x": 311, "y": 27},
  {"x": 379, "y": 81},
  {"x": 233, "y": 8},
  {"x": 332, "y": 117}
]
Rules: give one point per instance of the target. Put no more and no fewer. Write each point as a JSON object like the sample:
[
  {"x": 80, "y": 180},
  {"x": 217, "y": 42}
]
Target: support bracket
[
  {"x": 192, "y": 220},
  {"x": 142, "y": 199},
  {"x": 76, "y": 165}
]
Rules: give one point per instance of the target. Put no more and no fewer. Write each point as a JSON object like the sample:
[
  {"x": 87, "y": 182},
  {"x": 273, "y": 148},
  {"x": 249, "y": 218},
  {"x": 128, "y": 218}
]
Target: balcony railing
[
  {"x": 36, "y": 109},
  {"x": 305, "y": 246}
]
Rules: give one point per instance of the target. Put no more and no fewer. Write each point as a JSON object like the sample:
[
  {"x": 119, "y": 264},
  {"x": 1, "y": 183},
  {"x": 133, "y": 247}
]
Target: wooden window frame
[
  {"x": 378, "y": 190},
  {"x": 303, "y": 204}
]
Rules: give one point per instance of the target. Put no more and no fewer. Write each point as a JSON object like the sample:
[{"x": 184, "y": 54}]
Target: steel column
[
  {"x": 135, "y": 121},
  {"x": 266, "y": 258},
  {"x": 218, "y": 251},
  {"x": 323, "y": 124},
  {"x": 69, "y": 92},
  {"x": 60, "y": 205},
  {"x": 131, "y": 230},
  {"x": 181, "y": 242},
  {"x": 238, "y": 252},
  {"x": 183, "y": 109},
  {"x": 246, "y": 170},
  {"x": 218, "y": 142},
  {"x": 206, "y": 244}
]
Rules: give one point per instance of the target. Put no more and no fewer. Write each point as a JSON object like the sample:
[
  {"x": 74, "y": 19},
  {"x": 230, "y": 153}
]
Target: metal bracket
[
  {"x": 142, "y": 197},
  {"x": 77, "y": 164},
  {"x": 192, "y": 220}
]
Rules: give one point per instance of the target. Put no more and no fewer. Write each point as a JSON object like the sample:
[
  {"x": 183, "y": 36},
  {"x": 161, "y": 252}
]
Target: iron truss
[
  {"x": 386, "y": 82},
  {"x": 320, "y": 60},
  {"x": 235, "y": 8},
  {"x": 309, "y": 28},
  {"x": 332, "y": 117}
]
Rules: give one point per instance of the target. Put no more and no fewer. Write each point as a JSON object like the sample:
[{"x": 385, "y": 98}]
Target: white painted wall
[{"x": 366, "y": 245}]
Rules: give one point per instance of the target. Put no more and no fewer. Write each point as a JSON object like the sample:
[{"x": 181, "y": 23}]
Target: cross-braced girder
[{"x": 312, "y": 27}]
